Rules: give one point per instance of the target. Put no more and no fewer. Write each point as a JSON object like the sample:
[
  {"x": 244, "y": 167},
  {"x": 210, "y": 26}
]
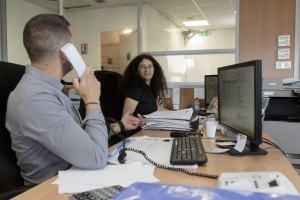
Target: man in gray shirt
[{"x": 47, "y": 132}]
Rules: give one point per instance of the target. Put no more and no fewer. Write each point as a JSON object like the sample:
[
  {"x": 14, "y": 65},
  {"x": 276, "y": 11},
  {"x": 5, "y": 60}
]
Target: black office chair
[
  {"x": 111, "y": 98},
  {"x": 11, "y": 181}
]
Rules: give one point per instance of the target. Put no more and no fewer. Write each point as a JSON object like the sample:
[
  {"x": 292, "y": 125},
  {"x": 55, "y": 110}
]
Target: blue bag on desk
[{"x": 157, "y": 191}]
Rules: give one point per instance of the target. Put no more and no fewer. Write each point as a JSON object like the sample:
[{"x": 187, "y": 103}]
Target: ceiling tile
[
  {"x": 215, "y": 11},
  {"x": 184, "y": 10}
]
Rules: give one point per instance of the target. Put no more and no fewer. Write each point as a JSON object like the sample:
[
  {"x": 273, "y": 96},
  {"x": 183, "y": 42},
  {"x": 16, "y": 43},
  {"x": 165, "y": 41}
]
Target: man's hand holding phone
[{"x": 89, "y": 88}]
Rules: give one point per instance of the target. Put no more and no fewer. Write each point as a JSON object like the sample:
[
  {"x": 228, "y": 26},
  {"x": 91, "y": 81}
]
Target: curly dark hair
[{"x": 132, "y": 79}]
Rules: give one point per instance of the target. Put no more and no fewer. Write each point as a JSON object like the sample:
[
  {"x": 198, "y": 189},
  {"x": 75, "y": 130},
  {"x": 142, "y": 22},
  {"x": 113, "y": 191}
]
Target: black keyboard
[{"x": 188, "y": 151}]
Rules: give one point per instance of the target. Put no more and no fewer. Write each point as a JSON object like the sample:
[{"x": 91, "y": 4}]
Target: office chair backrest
[
  {"x": 111, "y": 98},
  {"x": 10, "y": 177}
]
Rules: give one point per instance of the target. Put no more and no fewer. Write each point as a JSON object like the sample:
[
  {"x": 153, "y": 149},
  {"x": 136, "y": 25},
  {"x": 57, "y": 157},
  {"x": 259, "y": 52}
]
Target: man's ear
[{"x": 62, "y": 55}]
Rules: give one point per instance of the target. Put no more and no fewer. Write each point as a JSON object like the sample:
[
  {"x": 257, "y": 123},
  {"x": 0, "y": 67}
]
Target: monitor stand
[{"x": 247, "y": 151}]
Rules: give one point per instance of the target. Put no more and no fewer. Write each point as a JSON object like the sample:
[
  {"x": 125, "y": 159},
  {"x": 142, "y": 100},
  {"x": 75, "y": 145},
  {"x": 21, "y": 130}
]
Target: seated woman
[{"x": 143, "y": 83}]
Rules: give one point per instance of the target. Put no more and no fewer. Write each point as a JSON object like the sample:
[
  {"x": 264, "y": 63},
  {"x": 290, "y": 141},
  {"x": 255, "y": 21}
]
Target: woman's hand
[
  {"x": 142, "y": 120},
  {"x": 130, "y": 122}
]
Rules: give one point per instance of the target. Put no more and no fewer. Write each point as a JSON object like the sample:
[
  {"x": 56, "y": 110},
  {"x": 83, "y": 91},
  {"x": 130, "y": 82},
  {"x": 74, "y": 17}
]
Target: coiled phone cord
[{"x": 122, "y": 156}]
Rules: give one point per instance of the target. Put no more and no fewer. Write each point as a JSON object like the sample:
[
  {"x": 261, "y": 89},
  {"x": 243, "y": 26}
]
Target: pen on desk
[{"x": 166, "y": 140}]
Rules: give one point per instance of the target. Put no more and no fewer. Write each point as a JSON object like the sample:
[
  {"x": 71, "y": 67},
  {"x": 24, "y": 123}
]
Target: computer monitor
[
  {"x": 210, "y": 88},
  {"x": 239, "y": 103}
]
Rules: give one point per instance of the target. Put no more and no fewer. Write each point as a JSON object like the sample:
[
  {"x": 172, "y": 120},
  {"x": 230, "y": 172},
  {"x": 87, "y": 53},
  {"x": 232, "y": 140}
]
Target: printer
[{"x": 283, "y": 104}]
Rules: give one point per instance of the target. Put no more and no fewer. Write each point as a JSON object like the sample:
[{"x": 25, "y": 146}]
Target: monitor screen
[
  {"x": 210, "y": 88},
  {"x": 239, "y": 101}
]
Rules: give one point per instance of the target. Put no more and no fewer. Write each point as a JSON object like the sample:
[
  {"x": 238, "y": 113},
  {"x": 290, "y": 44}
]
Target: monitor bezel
[
  {"x": 256, "y": 139},
  {"x": 205, "y": 81}
]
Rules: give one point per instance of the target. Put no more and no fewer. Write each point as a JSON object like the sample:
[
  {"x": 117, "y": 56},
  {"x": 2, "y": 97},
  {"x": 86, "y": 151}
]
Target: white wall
[
  {"x": 88, "y": 25},
  {"x": 127, "y": 45},
  {"x": 18, "y": 13}
]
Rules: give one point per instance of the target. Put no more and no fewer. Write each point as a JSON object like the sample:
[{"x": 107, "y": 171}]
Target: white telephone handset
[{"x": 72, "y": 55}]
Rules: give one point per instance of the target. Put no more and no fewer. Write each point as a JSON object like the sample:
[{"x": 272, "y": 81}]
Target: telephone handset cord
[{"x": 122, "y": 156}]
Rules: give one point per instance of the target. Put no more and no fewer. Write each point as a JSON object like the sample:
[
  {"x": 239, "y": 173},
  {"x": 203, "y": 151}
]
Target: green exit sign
[{"x": 202, "y": 33}]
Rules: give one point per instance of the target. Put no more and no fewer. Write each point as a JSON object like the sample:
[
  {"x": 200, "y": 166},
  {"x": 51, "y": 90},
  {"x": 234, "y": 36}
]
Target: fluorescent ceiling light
[
  {"x": 196, "y": 23},
  {"x": 126, "y": 31}
]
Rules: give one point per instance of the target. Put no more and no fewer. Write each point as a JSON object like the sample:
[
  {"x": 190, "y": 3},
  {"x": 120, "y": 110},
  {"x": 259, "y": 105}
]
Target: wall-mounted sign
[
  {"x": 283, "y": 65},
  {"x": 283, "y": 40},
  {"x": 283, "y": 53}
]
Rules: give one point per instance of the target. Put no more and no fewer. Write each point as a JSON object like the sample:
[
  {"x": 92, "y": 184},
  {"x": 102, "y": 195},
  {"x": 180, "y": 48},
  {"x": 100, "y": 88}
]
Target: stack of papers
[
  {"x": 170, "y": 120},
  {"x": 79, "y": 180},
  {"x": 184, "y": 114}
]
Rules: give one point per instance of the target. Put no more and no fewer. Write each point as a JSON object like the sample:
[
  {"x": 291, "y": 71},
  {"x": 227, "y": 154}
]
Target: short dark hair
[
  {"x": 44, "y": 34},
  {"x": 132, "y": 79}
]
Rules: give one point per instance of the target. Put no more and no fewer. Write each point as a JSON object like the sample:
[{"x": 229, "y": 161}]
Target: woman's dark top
[{"x": 146, "y": 100}]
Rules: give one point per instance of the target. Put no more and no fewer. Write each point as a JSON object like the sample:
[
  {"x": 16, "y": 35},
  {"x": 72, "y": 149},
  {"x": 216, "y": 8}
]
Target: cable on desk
[
  {"x": 122, "y": 156},
  {"x": 273, "y": 144},
  {"x": 122, "y": 152},
  {"x": 269, "y": 142},
  {"x": 172, "y": 168}
]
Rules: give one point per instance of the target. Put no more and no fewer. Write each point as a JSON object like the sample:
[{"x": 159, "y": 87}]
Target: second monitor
[{"x": 210, "y": 88}]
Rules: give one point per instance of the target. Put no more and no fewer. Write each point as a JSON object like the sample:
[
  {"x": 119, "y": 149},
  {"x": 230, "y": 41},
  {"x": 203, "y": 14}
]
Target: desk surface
[{"x": 217, "y": 163}]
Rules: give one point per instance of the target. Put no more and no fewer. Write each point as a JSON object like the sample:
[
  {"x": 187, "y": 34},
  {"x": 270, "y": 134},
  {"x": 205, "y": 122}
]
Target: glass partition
[
  {"x": 192, "y": 68},
  {"x": 157, "y": 29},
  {"x": 164, "y": 29},
  {"x": 187, "y": 53}
]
